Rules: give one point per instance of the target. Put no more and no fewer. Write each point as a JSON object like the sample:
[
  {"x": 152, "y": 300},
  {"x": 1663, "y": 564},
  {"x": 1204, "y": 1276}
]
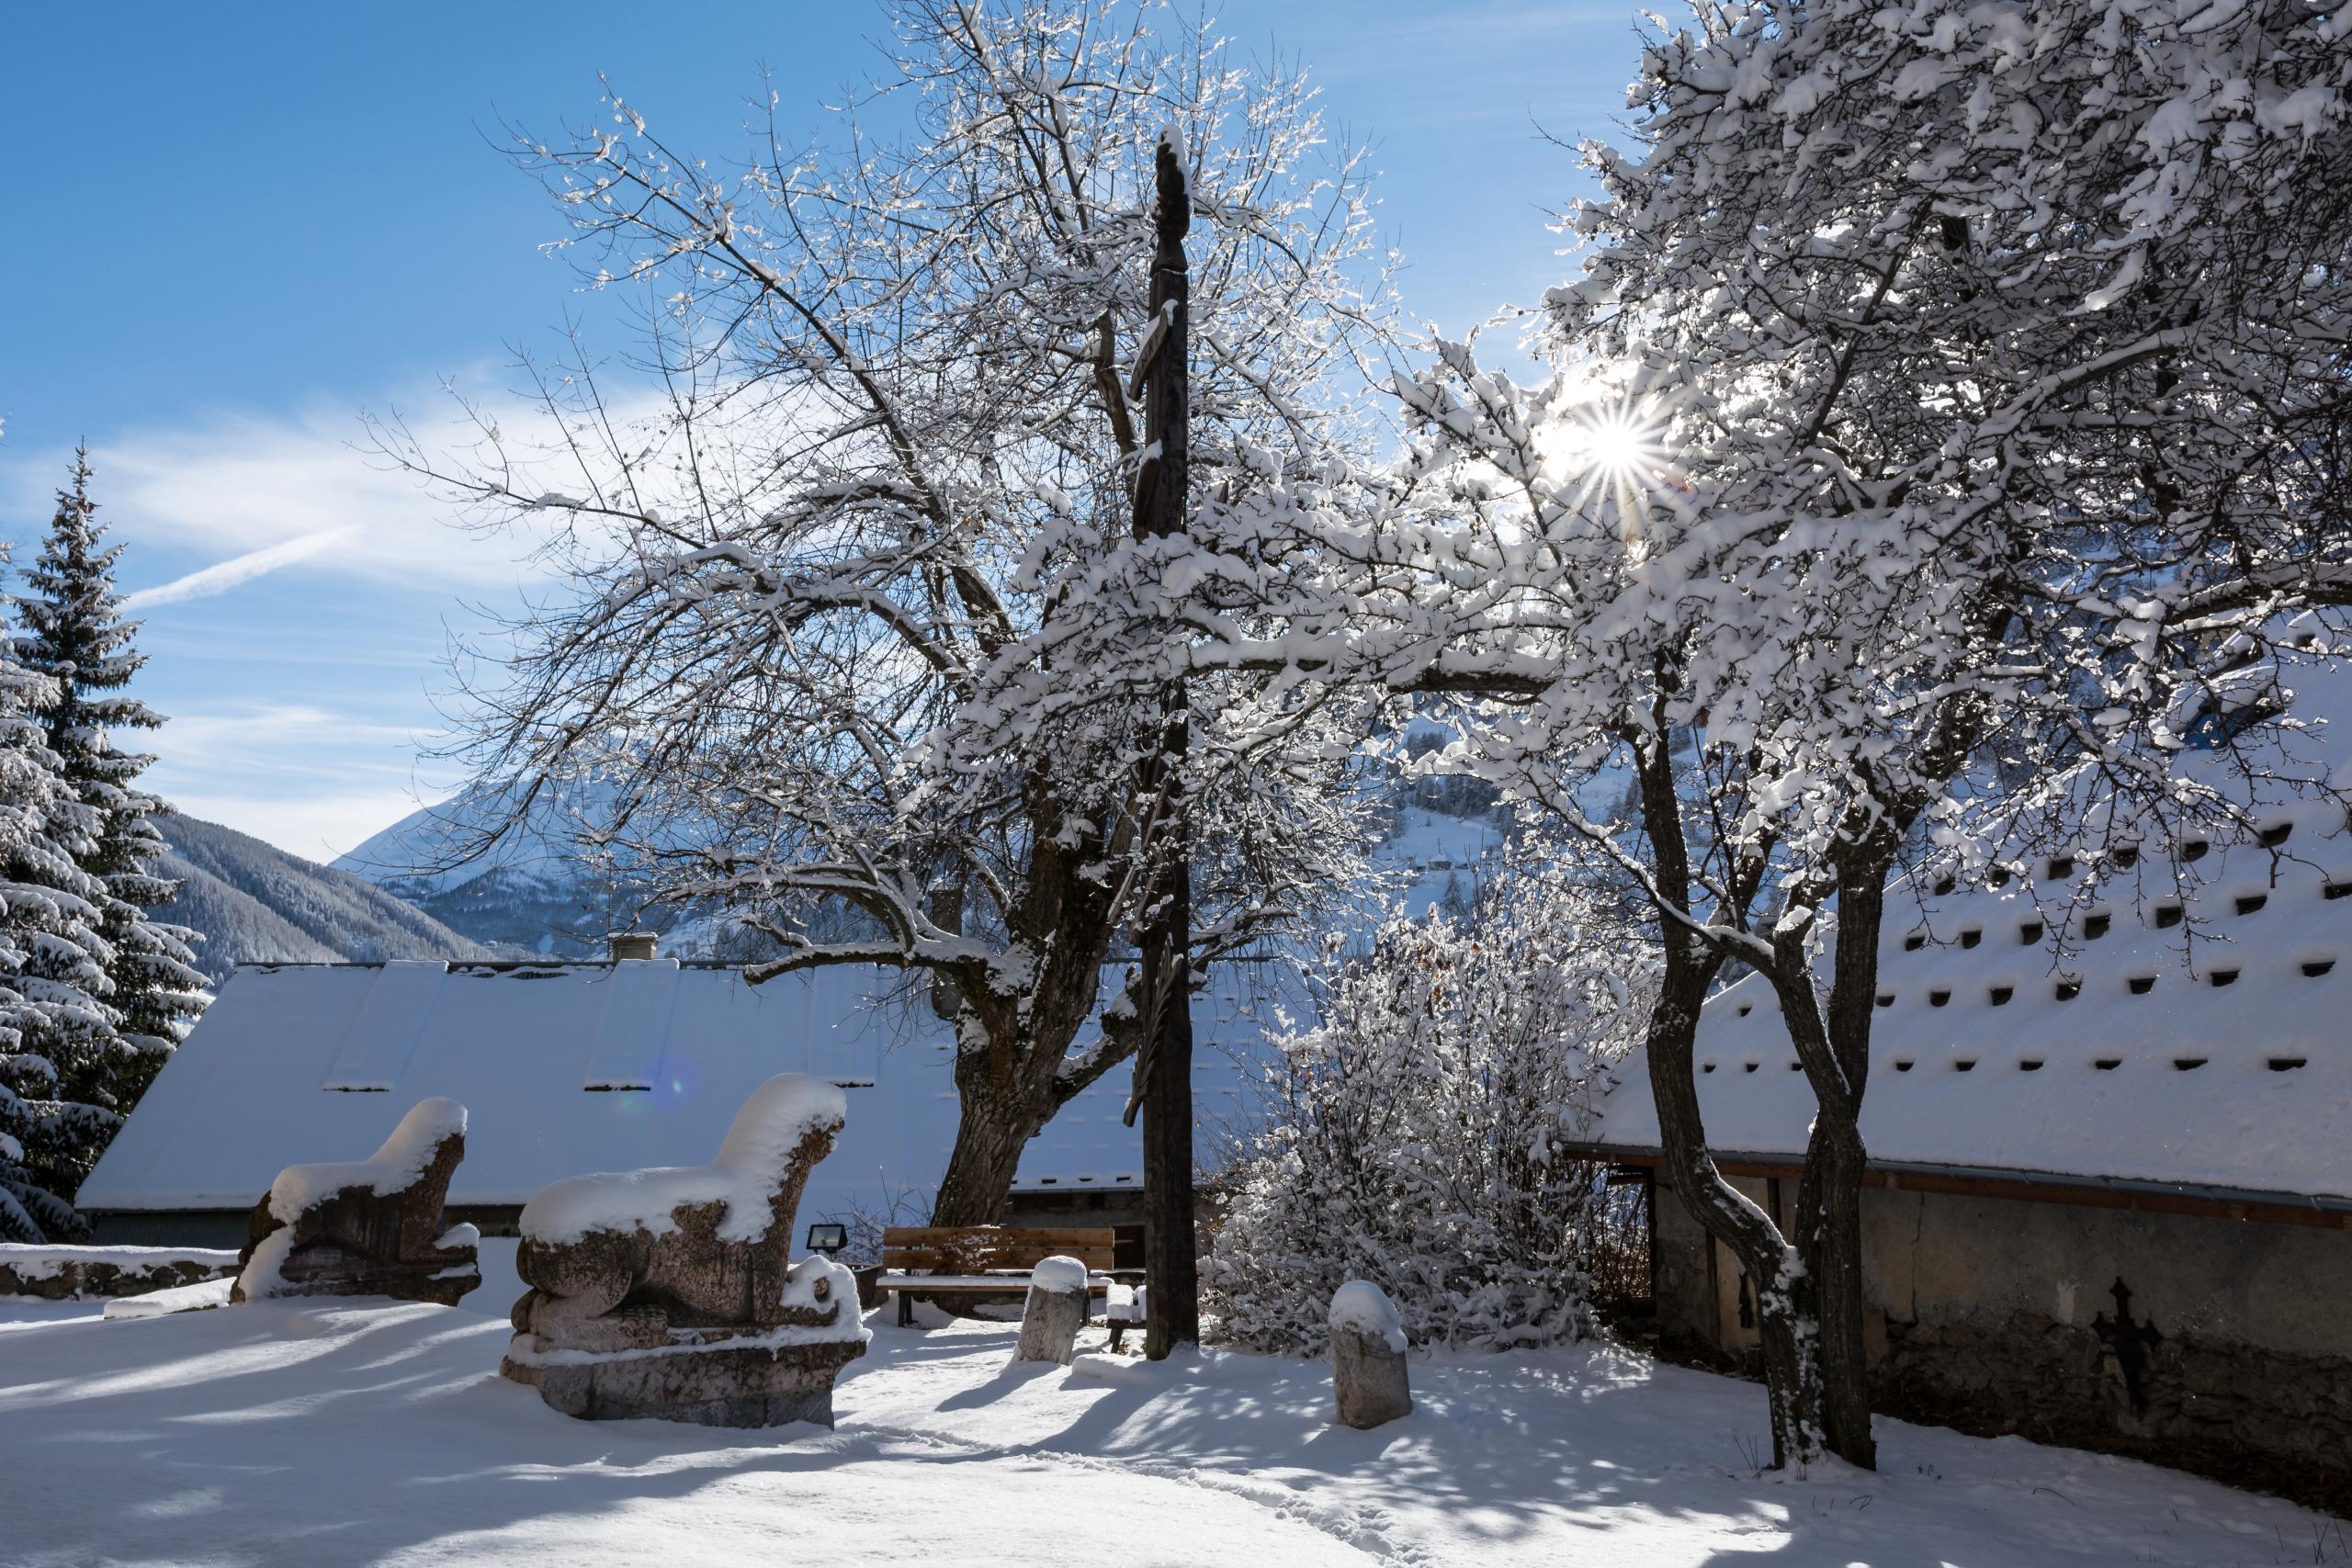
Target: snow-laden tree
[
  {"x": 1954, "y": 398},
  {"x": 75, "y": 634},
  {"x": 1953, "y": 408},
  {"x": 57, "y": 1029},
  {"x": 1414, "y": 1134},
  {"x": 890, "y": 420}
]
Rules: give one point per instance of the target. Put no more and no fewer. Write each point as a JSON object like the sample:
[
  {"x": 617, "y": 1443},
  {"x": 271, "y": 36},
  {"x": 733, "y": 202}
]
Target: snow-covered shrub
[{"x": 1412, "y": 1135}]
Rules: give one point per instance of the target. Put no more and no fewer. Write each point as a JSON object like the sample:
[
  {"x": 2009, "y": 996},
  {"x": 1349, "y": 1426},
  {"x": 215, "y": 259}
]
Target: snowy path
[{"x": 377, "y": 1433}]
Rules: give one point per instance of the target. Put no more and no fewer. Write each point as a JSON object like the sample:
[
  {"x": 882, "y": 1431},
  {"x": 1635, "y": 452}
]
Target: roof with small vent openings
[
  {"x": 2098, "y": 1017},
  {"x": 566, "y": 1068}
]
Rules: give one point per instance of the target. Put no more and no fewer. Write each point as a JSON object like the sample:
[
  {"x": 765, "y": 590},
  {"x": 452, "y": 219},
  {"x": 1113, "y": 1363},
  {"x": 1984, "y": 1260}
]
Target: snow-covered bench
[{"x": 982, "y": 1260}]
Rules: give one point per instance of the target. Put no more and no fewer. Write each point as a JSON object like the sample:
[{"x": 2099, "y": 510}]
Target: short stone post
[
  {"x": 1367, "y": 1356},
  {"x": 1054, "y": 1310}
]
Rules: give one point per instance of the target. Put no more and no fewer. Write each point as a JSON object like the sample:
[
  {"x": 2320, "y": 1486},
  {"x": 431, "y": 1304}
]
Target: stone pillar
[
  {"x": 1054, "y": 1310},
  {"x": 1367, "y": 1356}
]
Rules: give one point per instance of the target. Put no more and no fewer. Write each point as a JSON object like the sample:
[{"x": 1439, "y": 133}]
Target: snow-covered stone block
[
  {"x": 369, "y": 1229},
  {"x": 202, "y": 1296},
  {"x": 1368, "y": 1379},
  {"x": 671, "y": 1293},
  {"x": 61, "y": 1273},
  {"x": 1053, "y": 1311}
]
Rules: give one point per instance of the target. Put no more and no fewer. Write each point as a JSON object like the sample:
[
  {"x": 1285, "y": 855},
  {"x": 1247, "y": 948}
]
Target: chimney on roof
[{"x": 632, "y": 944}]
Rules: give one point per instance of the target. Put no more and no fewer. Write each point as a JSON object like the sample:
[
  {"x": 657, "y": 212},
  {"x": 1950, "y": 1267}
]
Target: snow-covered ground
[{"x": 321, "y": 1433}]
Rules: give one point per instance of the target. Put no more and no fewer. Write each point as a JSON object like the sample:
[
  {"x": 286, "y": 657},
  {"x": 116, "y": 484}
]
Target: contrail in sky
[{"x": 237, "y": 570}]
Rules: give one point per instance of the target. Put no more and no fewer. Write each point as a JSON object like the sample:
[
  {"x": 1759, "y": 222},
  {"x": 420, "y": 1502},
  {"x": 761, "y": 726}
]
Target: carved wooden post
[{"x": 1164, "y": 1073}]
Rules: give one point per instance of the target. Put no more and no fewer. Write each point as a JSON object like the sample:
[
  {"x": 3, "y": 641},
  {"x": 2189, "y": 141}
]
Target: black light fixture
[{"x": 828, "y": 1239}]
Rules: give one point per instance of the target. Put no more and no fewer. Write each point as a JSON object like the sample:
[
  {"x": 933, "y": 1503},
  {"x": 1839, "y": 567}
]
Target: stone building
[
  {"x": 2109, "y": 1120},
  {"x": 569, "y": 1068}
]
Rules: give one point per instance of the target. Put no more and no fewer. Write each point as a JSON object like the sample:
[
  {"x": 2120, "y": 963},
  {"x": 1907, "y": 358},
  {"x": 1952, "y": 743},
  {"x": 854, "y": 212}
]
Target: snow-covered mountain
[
  {"x": 535, "y": 891},
  {"x": 532, "y": 891},
  {"x": 254, "y": 902}
]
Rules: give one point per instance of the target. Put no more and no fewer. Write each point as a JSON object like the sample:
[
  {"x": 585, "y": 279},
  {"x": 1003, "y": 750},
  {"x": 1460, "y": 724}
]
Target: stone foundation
[
  {"x": 66, "y": 1273},
  {"x": 2272, "y": 1422},
  {"x": 710, "y": 1385},
  {"x": 2228, "y": 1351}
]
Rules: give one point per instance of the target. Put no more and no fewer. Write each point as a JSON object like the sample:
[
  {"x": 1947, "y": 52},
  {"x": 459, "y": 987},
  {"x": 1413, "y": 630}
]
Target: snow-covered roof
[
  {"x": 2195, "y": 1030},
  {"x": 1435, "y": 853},
  {"x": 566, "y": 1068}
]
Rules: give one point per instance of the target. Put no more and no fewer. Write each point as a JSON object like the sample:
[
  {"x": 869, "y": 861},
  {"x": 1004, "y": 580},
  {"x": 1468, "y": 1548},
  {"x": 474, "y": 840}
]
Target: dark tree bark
[
  {"x": 1829, "y": 1192},
  {"x": 1012, "y": 1057},
  {"x": 1164, "y": 1075},
  {"x": 1785, "y": 1287}
]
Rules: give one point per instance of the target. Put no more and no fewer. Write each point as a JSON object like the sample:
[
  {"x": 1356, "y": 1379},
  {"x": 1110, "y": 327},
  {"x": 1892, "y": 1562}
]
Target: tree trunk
[
  {"x": 1784, "y": 1285},
  {"x": 1829, "y": 1194},
  {"x": 1830, "y": 1229},
  {"x": 1170, "y": 1243},
  {"x": 1784, "y": 1291},
  {"x": 1172, "y": 1257},
  {"x": 1833, "y": 1046},
  {"x": 991, "y": 1130}
]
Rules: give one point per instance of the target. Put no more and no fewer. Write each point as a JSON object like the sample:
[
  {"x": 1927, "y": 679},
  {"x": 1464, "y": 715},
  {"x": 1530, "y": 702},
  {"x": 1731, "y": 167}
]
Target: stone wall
[
  {"x": 72, "y": 1273},
  {"x": 1683, "y": 1282},
  {"x": 2229, "y": 1351}
]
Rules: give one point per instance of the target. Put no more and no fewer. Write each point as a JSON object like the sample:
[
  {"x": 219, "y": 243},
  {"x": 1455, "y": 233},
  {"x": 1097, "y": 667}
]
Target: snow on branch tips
[{"x": 834, "y": 577}]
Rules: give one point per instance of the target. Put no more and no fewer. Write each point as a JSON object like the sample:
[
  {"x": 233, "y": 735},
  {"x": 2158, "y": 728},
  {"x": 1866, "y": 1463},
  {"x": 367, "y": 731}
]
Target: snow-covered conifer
[
  {"x": 74, "y": 634},
  {"x": 56, "y": 1030}
]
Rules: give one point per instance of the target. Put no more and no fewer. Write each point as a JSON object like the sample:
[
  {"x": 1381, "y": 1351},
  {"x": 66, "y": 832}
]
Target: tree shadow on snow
[{"x": 330, "y": 1432}]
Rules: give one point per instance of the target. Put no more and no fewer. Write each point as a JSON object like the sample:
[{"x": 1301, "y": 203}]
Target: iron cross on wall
[{"x": 2132, "y": 1342}]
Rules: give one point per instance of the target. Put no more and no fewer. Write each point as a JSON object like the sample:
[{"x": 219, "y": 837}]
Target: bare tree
[{"x": 831, "y": 524}]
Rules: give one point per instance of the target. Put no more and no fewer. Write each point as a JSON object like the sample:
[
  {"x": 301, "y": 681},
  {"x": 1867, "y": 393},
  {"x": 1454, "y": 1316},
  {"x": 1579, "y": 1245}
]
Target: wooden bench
[{"x": 981, "y": 1260}]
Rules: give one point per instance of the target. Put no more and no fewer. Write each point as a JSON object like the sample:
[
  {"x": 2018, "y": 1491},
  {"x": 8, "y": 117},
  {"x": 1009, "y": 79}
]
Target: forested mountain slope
[{"x": 254, "y": 902}]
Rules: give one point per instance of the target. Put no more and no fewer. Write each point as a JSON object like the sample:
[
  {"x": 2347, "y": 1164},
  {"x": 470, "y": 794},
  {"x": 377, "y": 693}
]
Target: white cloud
[
  {"x": 312, "y": 780},
  {"x": 290, "y": 733},
  {"x": 316, "y": 827},
  {"x": 272, "y": 492},
  {"x": 229, "y": 573}
]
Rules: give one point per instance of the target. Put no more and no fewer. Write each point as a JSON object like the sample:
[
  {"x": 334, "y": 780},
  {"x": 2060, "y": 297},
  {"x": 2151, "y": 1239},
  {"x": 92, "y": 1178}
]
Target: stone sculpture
[
  {"x": 1367, "y": 1356},
  {"x": 671, "y": 1293},
  {"x": 370, "y": 1229},
  {"x": 1053, "y": 1311}
]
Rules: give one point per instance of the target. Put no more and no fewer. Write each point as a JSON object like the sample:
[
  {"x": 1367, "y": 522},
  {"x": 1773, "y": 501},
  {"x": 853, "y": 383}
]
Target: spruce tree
[
  {"x": 76, "y": 652},
  {"x": 56, "y": 1030}
]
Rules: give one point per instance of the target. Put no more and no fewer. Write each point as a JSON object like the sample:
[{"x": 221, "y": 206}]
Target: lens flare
[
  {"x": 1612, "y": 450},
  {"x": 1620, "y": 444}
]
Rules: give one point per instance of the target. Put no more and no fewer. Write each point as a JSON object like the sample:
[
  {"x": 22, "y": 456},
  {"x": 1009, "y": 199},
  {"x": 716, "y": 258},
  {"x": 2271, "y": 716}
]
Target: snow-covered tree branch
[{"x": 826, "y": 545}]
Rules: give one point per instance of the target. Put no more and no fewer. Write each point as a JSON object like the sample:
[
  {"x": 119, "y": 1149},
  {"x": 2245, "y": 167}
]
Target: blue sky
[{"x": 233, "y": 229}]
